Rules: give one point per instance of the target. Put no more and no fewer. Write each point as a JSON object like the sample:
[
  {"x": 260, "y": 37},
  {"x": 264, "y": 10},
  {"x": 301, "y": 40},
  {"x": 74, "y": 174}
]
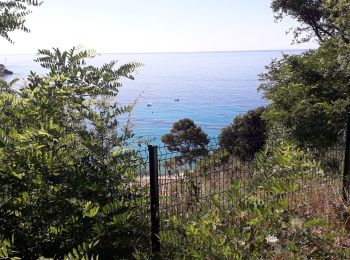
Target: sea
[{"x": 211, "y": 88}]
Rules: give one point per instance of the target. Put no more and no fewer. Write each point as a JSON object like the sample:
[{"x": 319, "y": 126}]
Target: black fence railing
[
  {"x": 184, "y": 185},
  {"x": 180, "y": 185}
]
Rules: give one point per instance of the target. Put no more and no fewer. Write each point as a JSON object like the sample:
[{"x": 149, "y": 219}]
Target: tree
[
  {"x": 323, "y": 19},
  {"x": 309, "y": 96},
  {"x": 246, "y": 136},
  {"x": 309, "y": 93},
  {"x": 13, "y": 14},
  {"x": 65, "y": 168},
  {"x": 188, "y": 139}
]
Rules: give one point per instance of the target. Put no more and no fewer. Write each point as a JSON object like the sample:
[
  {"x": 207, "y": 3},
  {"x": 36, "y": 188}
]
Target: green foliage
[
  {"x": 214, "y": 160},
  {"x": 309, "y": 93},
  {"x": 285, "y": 169},
  {"x": 309, "y": 13},
  {"x": 188, "y": 139},
  {"x": 323, "y": 19},
  {"x": 13, "y": 14},
  {"x": 66, "y": 175},
  {"x": 246, "y": 136},
  {"x": 309, "y": 96},
  {"x": 6, "y": 248},
  {"x": 249, "y": 227},
  {"x": 208, "y": 235},
  {"x": 82, "y": 252}
]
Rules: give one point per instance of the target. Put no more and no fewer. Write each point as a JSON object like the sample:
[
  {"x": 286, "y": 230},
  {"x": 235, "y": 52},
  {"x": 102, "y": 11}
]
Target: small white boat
[{"x": 149, "y": 104}]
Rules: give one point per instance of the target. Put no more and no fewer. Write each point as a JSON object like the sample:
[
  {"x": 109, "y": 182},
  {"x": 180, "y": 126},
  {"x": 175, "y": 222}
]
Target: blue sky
[{"x": 116, "y": 26}]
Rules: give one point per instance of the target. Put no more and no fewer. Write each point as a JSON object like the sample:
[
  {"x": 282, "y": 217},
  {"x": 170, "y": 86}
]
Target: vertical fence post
[
  {"x": 154, "y": 192},
  {"x": 346, "y": 174}
]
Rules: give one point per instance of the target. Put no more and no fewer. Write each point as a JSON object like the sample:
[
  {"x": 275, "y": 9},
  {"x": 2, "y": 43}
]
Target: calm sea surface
[{"x": 212, "y": 88}]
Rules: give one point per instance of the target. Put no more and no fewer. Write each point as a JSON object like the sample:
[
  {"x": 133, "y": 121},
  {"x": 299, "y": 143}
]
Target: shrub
[
  {"x": 65, "y": 175},
  {"x": 257, "y": 224},
  {"x": 246, "y": 136}
]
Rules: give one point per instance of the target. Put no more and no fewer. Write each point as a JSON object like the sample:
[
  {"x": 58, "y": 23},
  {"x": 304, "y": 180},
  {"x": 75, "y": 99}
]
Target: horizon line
[{"x": 182, "y": 52}]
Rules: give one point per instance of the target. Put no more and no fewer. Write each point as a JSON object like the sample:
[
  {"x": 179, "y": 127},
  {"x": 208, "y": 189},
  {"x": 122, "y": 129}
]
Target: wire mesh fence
[
  {"x": 187, "y": 183},
  {"x": 182, "y": 182}
]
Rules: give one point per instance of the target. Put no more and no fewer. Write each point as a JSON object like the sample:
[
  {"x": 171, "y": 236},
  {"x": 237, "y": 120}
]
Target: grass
[{"x": 320, "y": 226}]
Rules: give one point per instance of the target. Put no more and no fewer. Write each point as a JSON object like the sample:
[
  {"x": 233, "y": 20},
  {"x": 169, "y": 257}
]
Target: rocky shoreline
[{"x": 4, "y": 71}]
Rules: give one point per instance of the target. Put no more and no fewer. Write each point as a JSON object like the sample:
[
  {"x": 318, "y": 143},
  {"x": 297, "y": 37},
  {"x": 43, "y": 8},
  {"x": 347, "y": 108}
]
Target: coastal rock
[
  {"x": 4, "y": 71},
  {"x": 8, "y": 72}
]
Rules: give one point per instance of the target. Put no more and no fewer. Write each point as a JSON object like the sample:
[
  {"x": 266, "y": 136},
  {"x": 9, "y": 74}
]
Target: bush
[
  {"x": 251, "y": 227},
  {"x": 254, "y": 221},
  {"x": 65, "y": 175},
  {"x": 246, "y": 136}
]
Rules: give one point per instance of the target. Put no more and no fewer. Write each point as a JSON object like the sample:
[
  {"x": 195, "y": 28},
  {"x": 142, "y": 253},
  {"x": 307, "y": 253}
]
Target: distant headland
[{"x": 4, "y": 71}]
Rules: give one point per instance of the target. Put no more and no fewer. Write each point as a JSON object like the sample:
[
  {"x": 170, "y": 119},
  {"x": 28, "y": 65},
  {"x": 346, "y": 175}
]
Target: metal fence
[
  {"x": 185, "y": 185},
  {"x": 180, "y": 185}
]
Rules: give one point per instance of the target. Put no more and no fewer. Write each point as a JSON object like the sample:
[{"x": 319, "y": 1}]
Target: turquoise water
[{"x": 212, "y": 88}]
